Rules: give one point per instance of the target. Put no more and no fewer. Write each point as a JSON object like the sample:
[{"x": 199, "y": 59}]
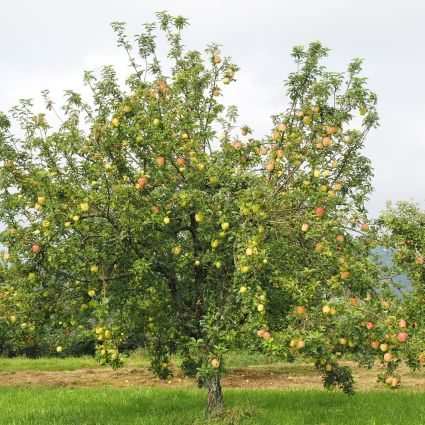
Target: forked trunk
[{"x": 215, "y": 402}]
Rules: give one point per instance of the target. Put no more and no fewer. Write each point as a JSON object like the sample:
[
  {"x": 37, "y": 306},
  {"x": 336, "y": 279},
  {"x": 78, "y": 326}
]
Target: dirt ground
[{"x": 279, "y": 376}]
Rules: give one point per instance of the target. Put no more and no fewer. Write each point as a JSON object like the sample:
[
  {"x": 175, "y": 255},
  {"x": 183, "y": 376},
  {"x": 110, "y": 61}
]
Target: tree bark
[{"x": 215, "y": 402}]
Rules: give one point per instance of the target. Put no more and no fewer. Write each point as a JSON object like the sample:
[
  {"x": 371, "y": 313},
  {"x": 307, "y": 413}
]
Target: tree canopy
[{"x": 150, "y": 208}]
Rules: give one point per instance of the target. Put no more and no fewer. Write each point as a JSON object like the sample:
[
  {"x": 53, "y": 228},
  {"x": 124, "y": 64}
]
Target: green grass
[
  {"x": 83, "y": 406},
  {"x": 46, "y": 364},
  {"x": 136, "y": 359}
]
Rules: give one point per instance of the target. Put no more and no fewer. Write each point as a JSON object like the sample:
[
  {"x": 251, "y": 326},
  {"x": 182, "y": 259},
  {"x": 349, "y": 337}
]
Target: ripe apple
[
  {"x": 260, "y": 332},
  {"x": 421, "y": 358},
  {"x": 331, "y": 130},
  {"x": 326, "y": 309},
  {"x": 402, "y": 323},
  {"x": 374, "y": 345},
  {"x": 176, "y": 250},
  {"x": 277, "y": 135},
  {"x": 280, "y": 153},
  {"x": 216, "y": 59},
  {"x": 35, "y": 248},
  {"x": 345, "y": 275},
  {"x": 383, "y": 347},
  {"x": 319, "y": 247},
  {"x": 354, "y": 301},
  {"x": 300, "y": 344},
  {"x": 160, "y": 160},
  {"x": 402, "y": 336},
  {"x": 319, "y": 211},
  {"x": 41, "y": 200},
  {"x": 364, "y": 227},
  {"x": 237, "y": 144},
  {"x": 304, "y": 227},
  {"x": 388, "y": 357},
  {"x": 326, "y": 141},
  {"x": 306, "y": 119},
  {"x": 84, "y": 207},
  {"x": 215, "y": 363},
  {"x": 394, "y": 382},
  {"x": 142, "y": 181},
  {"x": 181, "y": 161},
  {"x": 300, "y": 309},
  {"x": 270, "y": 166},
  {"x": 340, "y": 238},
  {"x": 370, "y": 325},
  {"x": 199, "y": 217},
  {"x": 266, "y": 335}
]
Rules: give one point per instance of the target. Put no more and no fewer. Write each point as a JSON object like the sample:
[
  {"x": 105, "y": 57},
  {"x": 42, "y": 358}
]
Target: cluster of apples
[
  {"x": 262, "y": 333},
  {"x": 401, "y": 337}
]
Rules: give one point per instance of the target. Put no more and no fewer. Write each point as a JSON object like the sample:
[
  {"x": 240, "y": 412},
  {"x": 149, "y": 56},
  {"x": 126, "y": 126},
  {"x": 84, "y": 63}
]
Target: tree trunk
[{"x": 215, "y": 402}]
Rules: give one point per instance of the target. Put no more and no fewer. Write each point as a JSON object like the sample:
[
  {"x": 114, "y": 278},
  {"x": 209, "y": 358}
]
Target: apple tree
[
  {"x": 403, "y": 235},
  {"x": 148, "y": 207}
]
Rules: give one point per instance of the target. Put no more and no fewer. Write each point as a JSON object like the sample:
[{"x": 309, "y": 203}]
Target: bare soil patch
[{"x": 278, "y": 376}]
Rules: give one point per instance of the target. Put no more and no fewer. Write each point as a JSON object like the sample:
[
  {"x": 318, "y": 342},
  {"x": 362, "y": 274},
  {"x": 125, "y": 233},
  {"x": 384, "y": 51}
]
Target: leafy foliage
[{"x": 137, "y": 214}]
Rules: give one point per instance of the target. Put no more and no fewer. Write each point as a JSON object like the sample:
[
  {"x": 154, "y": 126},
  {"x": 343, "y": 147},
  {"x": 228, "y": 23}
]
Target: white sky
[{"x": 49, "y": 43}]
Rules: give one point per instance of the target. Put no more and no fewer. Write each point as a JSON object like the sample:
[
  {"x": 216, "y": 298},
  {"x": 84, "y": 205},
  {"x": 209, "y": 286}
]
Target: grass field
[
  {"x": 137, "y": 359},
  {"x": 258, "y": 391},
  {"x": 82, "y": 406}
]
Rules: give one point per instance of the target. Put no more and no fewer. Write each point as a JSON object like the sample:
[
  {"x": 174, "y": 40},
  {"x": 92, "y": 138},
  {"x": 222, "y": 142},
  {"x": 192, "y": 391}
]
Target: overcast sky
[{"x": 49, "y": 43}]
